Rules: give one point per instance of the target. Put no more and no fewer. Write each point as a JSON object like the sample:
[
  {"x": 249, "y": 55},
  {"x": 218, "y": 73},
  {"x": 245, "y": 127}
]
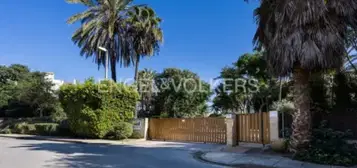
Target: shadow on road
[{"x": 112, "y": 156}]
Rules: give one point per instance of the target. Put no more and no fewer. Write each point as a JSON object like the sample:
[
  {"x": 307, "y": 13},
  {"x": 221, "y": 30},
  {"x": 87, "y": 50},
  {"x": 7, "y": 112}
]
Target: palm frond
[{"x": 88, "y": 3}]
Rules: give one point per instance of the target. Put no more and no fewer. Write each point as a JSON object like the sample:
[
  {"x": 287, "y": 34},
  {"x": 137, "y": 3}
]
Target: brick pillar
[
  {"x": 274, "y": 125},
  {"x": 231, "y": 130}
]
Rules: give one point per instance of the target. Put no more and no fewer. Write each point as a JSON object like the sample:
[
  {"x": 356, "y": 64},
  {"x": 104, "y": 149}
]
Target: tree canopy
[{"x": 24, "y": 93}]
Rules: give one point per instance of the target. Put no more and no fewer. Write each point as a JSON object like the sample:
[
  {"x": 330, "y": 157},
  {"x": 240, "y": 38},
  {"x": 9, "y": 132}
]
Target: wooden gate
[
  {"x": 253, "y": 128},
  {"x": 210, "y": 130}
]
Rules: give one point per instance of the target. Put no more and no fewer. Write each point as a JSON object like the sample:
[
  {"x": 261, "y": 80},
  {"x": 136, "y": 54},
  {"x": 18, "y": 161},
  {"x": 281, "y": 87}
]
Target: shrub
[
  {"x": 92, "y": 109},
  {"x": 5, "y": 131},
  {"x": 20, "y": 128},
  {"x": 46, "y": 128},
  {"x": 136, "y": 135},
  {"x": 329, "y": 147},
  {"x": 121, "y": 130},
  {"x": 93, "y": 123}
]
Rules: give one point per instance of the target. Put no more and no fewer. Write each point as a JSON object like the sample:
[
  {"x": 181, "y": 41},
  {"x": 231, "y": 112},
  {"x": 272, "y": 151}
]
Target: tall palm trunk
[
  {"x": 302, "y": 117},
  {"x": 113, "y": 68},
  {"x": 136, "y": 68}
]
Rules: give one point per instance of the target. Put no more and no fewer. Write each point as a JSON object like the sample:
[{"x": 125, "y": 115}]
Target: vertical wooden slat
[
  {"x": 240, "y": 128},
  {"x": 246, "y": 127},
  {"x": 257, "y": 128},
  {"x": 251, "y": 130},
  {"x": 210, "y": 130},
  {"x": 256, "y": 123}
]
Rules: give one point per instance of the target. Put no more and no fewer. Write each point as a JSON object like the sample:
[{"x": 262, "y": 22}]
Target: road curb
[
  {"x": 29, "y": 137},
  {"x": 199, "y": 156}
]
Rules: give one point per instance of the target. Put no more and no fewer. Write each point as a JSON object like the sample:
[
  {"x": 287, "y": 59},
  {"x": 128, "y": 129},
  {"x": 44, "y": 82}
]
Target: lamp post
[{"x": 106, "y": 60}]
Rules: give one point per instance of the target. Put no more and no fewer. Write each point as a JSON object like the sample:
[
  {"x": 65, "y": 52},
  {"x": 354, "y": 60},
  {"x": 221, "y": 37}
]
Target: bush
[
  {"x": 46, "y": 128},
  {"x": 93, "y": 109},
  {"x": 5, "y": 131},
  {"x": 21, "y": 128},
  {"x": 136, "y": 135},
  {"x": 121, "y": 130},
  {"x": 329, "y": 147}
]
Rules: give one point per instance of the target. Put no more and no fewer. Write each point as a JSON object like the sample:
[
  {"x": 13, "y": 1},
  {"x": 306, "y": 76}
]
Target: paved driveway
[{"x": 20, "y": 153}]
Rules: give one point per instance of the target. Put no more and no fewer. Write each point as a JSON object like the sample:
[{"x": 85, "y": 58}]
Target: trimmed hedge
[
  {"x": 46, "y": 128},
  {"x": 33, "y": 129},
  {"x": 93, "y": 109}
]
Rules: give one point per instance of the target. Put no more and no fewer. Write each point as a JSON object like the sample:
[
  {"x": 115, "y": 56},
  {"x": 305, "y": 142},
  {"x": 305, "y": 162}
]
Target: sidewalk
[{"x": 236, "y": 159}]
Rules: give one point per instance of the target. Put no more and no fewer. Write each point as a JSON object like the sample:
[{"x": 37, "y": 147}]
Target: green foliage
[
  {"x": 24, "y": 93},
  {"x": 246, "y": 86},
  {"x": 21, "y": 128},
  {"x": 35, "y": 128},
  {"x": 5, "y": 131},
  {"x": 284, "y": 106},
  {"x": 181, "y": 93},
  {"x": 329, "y": 147},
  {"x": 146, "y": 89},
  {"x": 216, "y": 115},
  {"x": 46, "y": 128},
  {"x": 136, "y": 135},
  {"x": 137, "y": 27},
  {"x": 121, "y": 130},
  {"x": 93, "y": 109},
  {"x": 59, "y": 115}
]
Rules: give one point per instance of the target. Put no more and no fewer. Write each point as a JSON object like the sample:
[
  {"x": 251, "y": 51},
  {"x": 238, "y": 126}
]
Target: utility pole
[{"x": 106, "y": 61}]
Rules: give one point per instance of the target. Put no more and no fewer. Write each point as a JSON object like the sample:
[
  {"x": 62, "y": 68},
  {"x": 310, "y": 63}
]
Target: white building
[{"x": 50, "y": 76}]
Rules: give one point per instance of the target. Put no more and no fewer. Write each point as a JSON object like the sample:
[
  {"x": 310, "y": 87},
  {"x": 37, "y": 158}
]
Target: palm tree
[
  {"x": 145, "y": 33},
  {"x": 103, "y": 24},
  {"x": 303, "y": 36}
]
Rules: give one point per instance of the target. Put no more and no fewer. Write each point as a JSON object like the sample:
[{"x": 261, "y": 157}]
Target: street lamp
[{"x": 106, "y": 60}]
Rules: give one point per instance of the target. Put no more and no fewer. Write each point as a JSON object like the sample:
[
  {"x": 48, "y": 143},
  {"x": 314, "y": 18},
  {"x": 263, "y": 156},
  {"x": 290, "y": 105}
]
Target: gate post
[
  {"x": 231, "y": 130},
  {"x": 274, "y": 126}
]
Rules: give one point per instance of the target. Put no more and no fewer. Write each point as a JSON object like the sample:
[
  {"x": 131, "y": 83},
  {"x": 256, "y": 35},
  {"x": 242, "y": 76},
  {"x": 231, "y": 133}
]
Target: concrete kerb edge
[
  {"x": 50, "y": 139},
  {"x": 199, "y": 156}
]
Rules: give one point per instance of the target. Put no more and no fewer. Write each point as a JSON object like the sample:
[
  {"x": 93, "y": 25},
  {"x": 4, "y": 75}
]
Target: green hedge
[
  {"x": 34, "y": 129},
  {"x": 93, "y": 109},
  {"x": 121, "y": 130},
  {"x": 46, "y": 128}
]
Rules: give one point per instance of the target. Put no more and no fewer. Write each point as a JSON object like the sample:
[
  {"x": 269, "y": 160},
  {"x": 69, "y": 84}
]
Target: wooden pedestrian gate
[
  {"x": 253, "y": 128},
  {"x": 208, "y": 130}
]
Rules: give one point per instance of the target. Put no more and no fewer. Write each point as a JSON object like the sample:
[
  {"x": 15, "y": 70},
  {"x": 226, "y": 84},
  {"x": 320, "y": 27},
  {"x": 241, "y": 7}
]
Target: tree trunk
[
  {"x": 113, "y": 68},
  {"x": 136, "y": 77},
  {"x": 302, "y": 117}
]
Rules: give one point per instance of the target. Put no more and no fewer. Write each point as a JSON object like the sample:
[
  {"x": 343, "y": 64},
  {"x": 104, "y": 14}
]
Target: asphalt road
[{"x": 20, "y": 153}]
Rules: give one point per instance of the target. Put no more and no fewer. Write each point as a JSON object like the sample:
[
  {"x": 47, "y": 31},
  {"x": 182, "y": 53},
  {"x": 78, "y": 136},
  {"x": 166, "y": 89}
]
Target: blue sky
[{"x": 200, "y": 35}]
